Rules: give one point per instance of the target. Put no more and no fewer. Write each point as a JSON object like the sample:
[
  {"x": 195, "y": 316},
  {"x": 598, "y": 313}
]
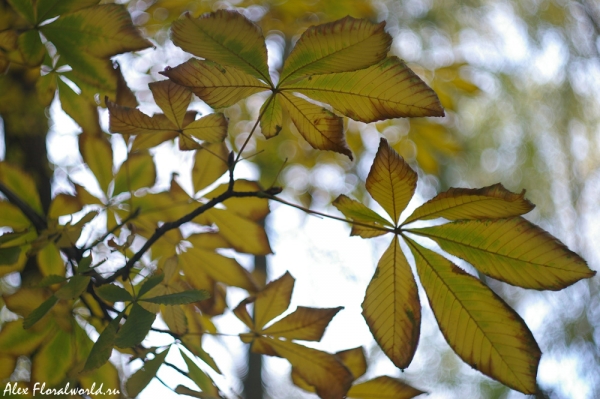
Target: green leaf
[
  {"x": 22, "y": 185},
  {"x": 9, "y": 256},
  {"x": 479, "y": 326},
  {"x": 39, "y": 312},
  {"x": 136, "y": 327},
  {"x": 80, "y": 108},
  {"x": 31, "y": 48},
  {"x": 46, "y": 9},
  {"x": 511, "y": 250},
  {"x": 84, "y": 265},
  {"x": 225, "y": 37},
  {"x": 24, "y": 8},
  {"x": 138, "y": 381},
  {"x": 97, "y": 153},
  {"x": 386, "y": 90},
  {"x": 493, "y": 202},
  {"x": 74, "y": 288},
  {"x": 113, "y": 293},
  {"x": 150, "y": 283},
  {"x": 179, "y": 298},
  {"x": 199, "y": 377},
  {"x": 344, "y": 45},
  {"x": 103, "y": 347}
]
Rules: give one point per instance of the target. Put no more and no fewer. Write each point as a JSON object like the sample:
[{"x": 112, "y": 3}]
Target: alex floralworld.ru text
[{"x": 40, "y": 388}]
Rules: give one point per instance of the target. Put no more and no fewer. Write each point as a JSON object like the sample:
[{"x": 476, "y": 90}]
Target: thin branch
[
  {"x": 131, "y": 216},
  {"x": 38, "y": 221}
]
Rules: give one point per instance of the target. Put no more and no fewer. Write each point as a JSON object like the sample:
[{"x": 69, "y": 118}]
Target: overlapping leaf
[
  {"x": 173, "y": 99},
  {"x": 489, "y": 233},
  {"x": 342, "y": 63}
]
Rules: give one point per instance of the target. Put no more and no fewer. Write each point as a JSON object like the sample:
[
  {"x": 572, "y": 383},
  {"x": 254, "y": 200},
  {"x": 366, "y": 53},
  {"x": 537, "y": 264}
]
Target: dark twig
[{"x": 38, "y": 221}]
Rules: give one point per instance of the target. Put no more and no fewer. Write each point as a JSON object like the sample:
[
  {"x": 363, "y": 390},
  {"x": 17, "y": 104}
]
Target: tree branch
[{"x": 38, "y": 221}]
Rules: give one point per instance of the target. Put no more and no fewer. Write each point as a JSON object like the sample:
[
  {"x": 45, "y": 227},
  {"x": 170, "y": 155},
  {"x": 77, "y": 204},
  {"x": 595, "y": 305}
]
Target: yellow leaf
[
  {"x": 216, "y": 85},
  {"x": 383, "y": 387},
  {"x": 211, "y": 128},
  {"x": 21, "y": 184},
  {"x": 50, "y": 261},
  {"x": 53, "y": 361},
  {"x": 479, "y": 326},
  {"x": 138, "y": 171},
  {"x": 386, "y": 90},
  {"x": 225, "y": 37},
  {"x": 271, "y": 120},
  {"x": 391, "y": 182},
  {"x": 306, "y": 324},
  {"x": 273, "y": 300},
  {"x": 64, "y": 204},
  {"x": 511, "y": 250},
  {"x": 371, "y": 224},
  {"x": 241, "y": 312},
  {"x": 7, "y": 366},
  {"x": 493, "y": 202},
  {"x": 175, "y": 319},
  {"x": 243, "y": 234},
  {"x": 126, "y": 120},
  {"x": 252, "y": 208},
  {"x": 319, "y": 127},
  {"x": 322, "y": 370},
  {"x": 392, "y": 308},
  {"x": 46, "y": 9},
  {"x": 355, "y": 360},
  {"x": 11, "y": 216},
  {"x": 218, "y": 267},
  {"x": 210, "y": 162},
  {"x": 344, "y": 45},
  {"x": 172, "y": 99},
  {"x": 97, "y": 154},
  {"x": 210, "y": 241},
  {"x": 16, "y": 341}
]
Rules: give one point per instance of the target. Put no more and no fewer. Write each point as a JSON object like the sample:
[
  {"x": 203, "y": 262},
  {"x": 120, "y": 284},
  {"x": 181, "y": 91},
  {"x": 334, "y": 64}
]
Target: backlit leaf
[
  {"x": 150, "y": 283},
  {"x": 383, "y": 387},
  {"x": 31, "y": 47},
  {"x": 358, "y": 212},
  {"x": 271, "y": 121},
  {"x": 173, "y": 99},
  {"x": 252, "y": 208},
  {"x": 64, "y": 204},
  {"x": 273, "y": 300},
  {"x": 493, "y": 202},
  {"x": 136, "y": 327},
  {"x": 511, "y": 250},
  {"x": 243, "y": 234},
  {"x": 391, "y": 182},
  {"x": 355, "y": 360},
  {"x": 179, "y": 298},
  {"x": 384, "y": 91},
  {"x": 174, "y": 318},
  {"x": 126, "y": 120},
  {"x": 85, "y": 37},
  {"x": 97, "y": 154},
  {"x": 50, "y": 261},
  {"x": 211, "y": 128},
  {"x": 319, "y": 127},
  {"x": 344, "y": 45},
  {"x": 210, "y": 163},
  {"x": 39, "y": 312},
  {"x": 141, "y": 378},
  {"x": 15, "y": 340},
  {"x": 306, "y": 324},
  {"x": 103, "y": 346},
  {"x": 54, "y": 359},
  {"x": 199, "y": 377},
  {"x": 391, "y": 307},
  {"x": 225, "y": 37},
  {"x": 138, "y": 171},
  {"x": 46, "y": 9},
  {"x": 22, "y": 185},
  {"x": 322, "y": 370},
  {"x": 218, "y": 86},
  {"x": 80, "y": 108},
  {"x": 483, "y": 330}
]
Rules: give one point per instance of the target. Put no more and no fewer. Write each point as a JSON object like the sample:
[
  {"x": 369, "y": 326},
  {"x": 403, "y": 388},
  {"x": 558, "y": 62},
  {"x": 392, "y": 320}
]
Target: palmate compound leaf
[
  {"x": 326, "y": 373},
  {"x": 479, "y": 326},
  {"x": 173, "y": 99},
  {"x": 511, "y": 250},
  {"x": 322, "y": 58},
  {"x": 495, "y": 240}
]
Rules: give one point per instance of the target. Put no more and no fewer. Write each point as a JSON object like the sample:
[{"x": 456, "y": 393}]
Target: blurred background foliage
[{"x": 520, "y": 82}]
